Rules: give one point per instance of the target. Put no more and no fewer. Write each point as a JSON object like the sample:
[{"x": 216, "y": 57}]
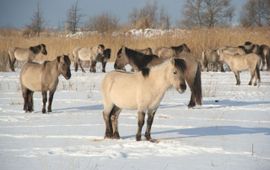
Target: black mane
[{"x": 139, "y": 59}]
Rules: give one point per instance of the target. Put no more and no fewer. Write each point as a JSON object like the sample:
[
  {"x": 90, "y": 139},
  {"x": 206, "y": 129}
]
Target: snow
[{"x": 231, "y": 130}]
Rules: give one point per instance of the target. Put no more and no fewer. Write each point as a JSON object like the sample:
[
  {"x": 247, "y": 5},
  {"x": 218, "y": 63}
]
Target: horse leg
[
  {"x": 237, "y": 77},
  {"x": 76, "y": 66},
  {"x": 80, "y": 64},
  {"x": 108, "y": 123},
  {"x": 252, "y": 77},
  {"x": 141, "y": 116},
  {"x": 192, "y": 100},
  {"x": 12, "y": 64},
  {"x": 93, "y": 66},
  {"x": 114, "y": 121},
  {"x": 50, "y": 100},
  {"x": 30, "y": 101},
  {"x": 44, "y": 100},
  {"x": 150, "y": 120},
  {"x": 25, "y": 98},
  {"x": 103, "y": 66}
]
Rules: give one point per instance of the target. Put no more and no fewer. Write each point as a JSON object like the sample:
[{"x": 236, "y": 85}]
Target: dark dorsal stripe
[
  {"x": 180, "y": 64},
  {"x": 145, "y": 71}
]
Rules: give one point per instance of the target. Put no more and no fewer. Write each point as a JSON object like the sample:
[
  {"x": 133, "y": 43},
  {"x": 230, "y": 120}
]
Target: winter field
[{"x": 231, "y": 130}]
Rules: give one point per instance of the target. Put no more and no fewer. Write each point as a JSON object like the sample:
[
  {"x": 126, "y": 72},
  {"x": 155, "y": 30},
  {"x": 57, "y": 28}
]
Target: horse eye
[{"x": 175, "y": 72}]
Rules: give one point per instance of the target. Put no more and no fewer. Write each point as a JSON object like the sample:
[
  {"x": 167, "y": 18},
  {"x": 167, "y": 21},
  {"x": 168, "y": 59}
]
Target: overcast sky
[{"x": 18, "y": 13}]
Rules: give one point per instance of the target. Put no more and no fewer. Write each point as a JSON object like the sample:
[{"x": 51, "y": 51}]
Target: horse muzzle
[
  {"x": 67, "y": 76},
  {"x": 182, "y": 88}
]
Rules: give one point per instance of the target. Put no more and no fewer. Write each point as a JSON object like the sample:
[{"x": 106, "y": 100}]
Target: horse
[
  {"x": 43, "y": 78},
  {"x": 141, "y": 90},
  {"x": 211, "y": 58},
  {"x": 88, "y": 54},
  {"x": 238, "y": 63},
  {"x": 25, "y": 54},
  {"x": 265, "y": 53},
  {"x": 104, "y": 59},
  {"x": 138, "y": 61},
  {"x": 168, "y": 52},
  {"x": 261, "y": 50}
]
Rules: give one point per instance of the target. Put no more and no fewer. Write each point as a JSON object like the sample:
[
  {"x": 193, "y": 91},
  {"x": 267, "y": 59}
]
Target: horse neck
[
  {"x": 158, "y": 76},
  {"x": 51, "y": 67}
]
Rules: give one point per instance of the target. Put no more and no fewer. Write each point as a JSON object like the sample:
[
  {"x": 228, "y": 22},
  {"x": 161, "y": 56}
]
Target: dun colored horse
[
  {"x": 25, "y": 54},
  {"x": 138, "y": 61},
  {"x": 88, "y": 54},
  {"x": 43, "y": 78},
  {"x": 211, "y": 58},
  {"x": 238, "y": 63},
  {"x": 142, "y": 90}
]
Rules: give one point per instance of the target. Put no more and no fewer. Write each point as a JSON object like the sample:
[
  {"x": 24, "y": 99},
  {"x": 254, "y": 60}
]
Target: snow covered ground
[{"x": 230, "y": 131}]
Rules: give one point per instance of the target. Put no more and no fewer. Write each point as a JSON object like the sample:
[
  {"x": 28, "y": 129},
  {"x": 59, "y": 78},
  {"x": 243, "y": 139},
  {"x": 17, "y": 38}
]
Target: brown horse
[
  {"x": 43, "y": 77},
  {"x": 138, "y": 61},
  {"x": 25, "y": 54},
  {"x": 104, "y": 58}
]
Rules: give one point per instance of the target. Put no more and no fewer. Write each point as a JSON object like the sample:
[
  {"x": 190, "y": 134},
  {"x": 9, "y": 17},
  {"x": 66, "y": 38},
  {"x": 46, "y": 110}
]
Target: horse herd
[{"x": 154, "y": 71}]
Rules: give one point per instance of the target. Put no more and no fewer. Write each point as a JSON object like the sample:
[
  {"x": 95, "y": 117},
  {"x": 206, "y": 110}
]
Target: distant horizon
[{"x": 17, "y": 14}]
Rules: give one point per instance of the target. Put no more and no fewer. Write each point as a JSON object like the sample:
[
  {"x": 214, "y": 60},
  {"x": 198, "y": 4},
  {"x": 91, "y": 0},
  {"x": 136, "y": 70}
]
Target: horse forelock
[
  {"x": 145, "y": 71},
  {"x": 180, "y": 64},
  {"x": 67, "y": 59}
]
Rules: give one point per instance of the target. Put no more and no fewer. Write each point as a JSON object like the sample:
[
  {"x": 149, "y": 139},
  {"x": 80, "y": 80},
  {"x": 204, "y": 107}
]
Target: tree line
[{"x": 196, "y": 13}]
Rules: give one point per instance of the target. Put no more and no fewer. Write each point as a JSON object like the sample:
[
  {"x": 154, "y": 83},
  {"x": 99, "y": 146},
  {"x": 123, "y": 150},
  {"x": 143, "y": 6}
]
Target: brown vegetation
[{"x": 197, "y": 39}]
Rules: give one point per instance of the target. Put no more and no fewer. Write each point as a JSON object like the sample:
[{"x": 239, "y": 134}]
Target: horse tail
[
  {"x": 197, "y": 86},
  {"x": 258, "y": 72}
]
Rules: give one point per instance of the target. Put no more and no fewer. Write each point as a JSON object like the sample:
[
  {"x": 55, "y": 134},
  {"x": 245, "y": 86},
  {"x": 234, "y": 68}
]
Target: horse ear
[{"x": 123, "y": 50}]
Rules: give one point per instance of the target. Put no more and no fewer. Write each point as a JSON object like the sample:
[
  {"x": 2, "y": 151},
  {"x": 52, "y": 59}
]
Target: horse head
[
  {"x": 177, "y": 74},
  {"x": 121, "y": 59},
  {"x": 64, "y": 66}
]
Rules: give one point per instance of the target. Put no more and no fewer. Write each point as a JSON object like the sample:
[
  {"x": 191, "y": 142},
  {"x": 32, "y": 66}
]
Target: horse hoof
[
  {"x": 116, "y": 136},
  {"x": 138, "y": 138}
]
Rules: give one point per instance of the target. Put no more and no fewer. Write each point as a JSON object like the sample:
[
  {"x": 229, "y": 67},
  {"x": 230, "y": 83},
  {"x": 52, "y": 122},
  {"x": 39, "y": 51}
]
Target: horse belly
[
  {"x": 124, "y": 98},
  {"x": 31, "y": 79}
]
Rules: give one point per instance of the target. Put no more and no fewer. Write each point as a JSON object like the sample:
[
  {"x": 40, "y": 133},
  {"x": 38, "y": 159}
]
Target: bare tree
[
  {"x": 255, "y": 13},
  {"x": 37, "y": 22},
  {"x": 73, "y": 18},
  {"x": 103, "y": 23},
  {"x": 164, "y": 19},
  {"x": 208, "y": 13},
  {"x": 149, "y": 16}
]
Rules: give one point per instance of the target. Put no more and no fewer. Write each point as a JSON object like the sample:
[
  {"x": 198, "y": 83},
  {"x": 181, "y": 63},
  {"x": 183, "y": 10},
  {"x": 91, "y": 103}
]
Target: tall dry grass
[{"x": 197, "y": 39}]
